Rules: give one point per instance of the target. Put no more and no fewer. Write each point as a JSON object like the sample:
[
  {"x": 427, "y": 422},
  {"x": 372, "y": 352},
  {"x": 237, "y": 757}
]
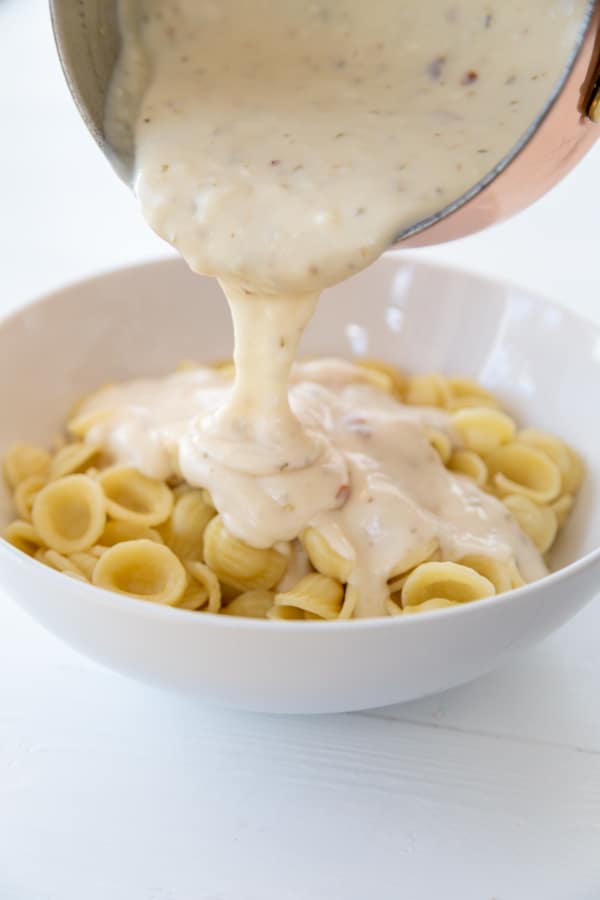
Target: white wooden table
[{"x": 112, "y": 791}]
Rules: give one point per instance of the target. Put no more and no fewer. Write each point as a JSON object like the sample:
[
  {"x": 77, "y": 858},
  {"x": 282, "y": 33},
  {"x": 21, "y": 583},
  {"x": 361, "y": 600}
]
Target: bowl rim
[{"x": 111, "y": 600}]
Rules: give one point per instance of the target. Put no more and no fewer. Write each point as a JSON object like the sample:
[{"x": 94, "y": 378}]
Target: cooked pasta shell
[
  {"x": 440, "y": 442},
  {"x": 25, "y": 494},
  {"x": 118, "y": 531},
  {"x": 468, "y": 463},
  {"x": 238, "y": 565},
  {"x": 207, "y": 579},
  {"x": 133, "y": 497},
  {"x": 537, "y": 521},
  {"x": 194, "y": 597},
  {"x": 317, "y": 594},
  {"x": 414, "y": 557},
  {"x": 395, "y": 380},
  {"x": 86, "y": 562},
  {"x": 465, "y": 393},
  {"x": 69, "y": 514},
  {"x": 430, "y": 605},
  {"x": 562, "y": 507},
  {"x": 482, "y": 429},
  {"x": 61, "y": 564},
  {"x": 285, "y": 613},
  {"x": 445, "y": 581},
  {"x": 569, "y": 463},
  {"x": 499, "y": 572},
  {"x": 326, "y": 560},
  {"x": 74, "y": 458},
  {"x": 351, "y": 598},
  {"x": 79, "y": 425},
  {"x": 184, "y": 532},
  {"x": 22, "y": 461},
  {"x": 427, "y": 390},
  {"x": 142, "y": 569},
  {"x": 518, "y": 468},
  {"x": 251, "y": 605},
  {"x": 23, "y": 536}
]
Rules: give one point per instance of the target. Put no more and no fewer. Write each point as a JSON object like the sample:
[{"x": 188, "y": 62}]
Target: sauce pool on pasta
[{"x": 438, "y": 504}]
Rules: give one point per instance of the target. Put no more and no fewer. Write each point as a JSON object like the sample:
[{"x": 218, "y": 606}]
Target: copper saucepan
[{"x": 87, "y": 38}]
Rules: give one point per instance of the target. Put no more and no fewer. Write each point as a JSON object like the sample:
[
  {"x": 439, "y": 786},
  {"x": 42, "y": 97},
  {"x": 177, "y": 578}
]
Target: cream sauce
[
  {"x": 377, "y": 490},
  {"x": 281, "y": 147}
]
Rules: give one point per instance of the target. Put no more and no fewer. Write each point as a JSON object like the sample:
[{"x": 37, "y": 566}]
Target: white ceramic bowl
[{"x": 542, "y": 361}]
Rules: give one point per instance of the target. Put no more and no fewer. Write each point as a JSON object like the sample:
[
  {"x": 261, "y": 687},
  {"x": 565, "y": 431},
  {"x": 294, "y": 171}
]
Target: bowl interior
[{"x": 542, "y": 361}]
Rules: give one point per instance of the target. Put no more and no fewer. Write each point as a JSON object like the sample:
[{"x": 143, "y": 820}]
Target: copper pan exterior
[{"x": 556, "y": 146}]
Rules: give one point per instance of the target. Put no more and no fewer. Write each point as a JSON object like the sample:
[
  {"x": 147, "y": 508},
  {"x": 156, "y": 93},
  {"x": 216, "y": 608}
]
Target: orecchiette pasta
[
  {"x": 518, "y": 468},
  {"x": 396, "y": 380},
  {"x": 430, "y": 605},
  {"x": 184, "y": 531},
  {"x": 445, "y": 581},
  {"x": 70, "y": 514},
  {"x": 207, "y": 579},
  {"x": 73, "y": 458},
  {"x": 25, "y": 493},
  {"x": 317, "y": 594},
  {"x": 24, "y": 460},
  {"x": 164, "y": 541},
  {"x": 61, "y": 563},
  {"x": 238, "y": 565},
  {"x": 133, "y": 497},
  {"x": 142, "y": 569},
  {"x": 482, "y": 429},
  {"x": 85, "y": 562},
  {"x": 540, "y": 523},
  {"x": 469, "y": 463},
  {"x": 465, "y": 392},
  {"x": 23, "y": 536},
  {"x": 251, "y": 604},
  {"x": 413, "y": 558},
  {"x": 427, "y": 390},
  {"x": 499, "y": 572},
  {"x": 118, "y": 531},
  {"x": 326, "y": 560},
  {"x": 440, "y": 442}
]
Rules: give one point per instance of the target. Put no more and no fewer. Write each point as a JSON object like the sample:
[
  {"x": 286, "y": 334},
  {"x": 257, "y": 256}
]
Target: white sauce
[
  {"x": 280, "y": 147},
  {"x": 377, "y": 490}
]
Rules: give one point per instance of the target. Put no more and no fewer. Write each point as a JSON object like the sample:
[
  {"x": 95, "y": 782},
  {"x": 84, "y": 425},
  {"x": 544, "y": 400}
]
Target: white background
[{"x": 112, "y": 791}]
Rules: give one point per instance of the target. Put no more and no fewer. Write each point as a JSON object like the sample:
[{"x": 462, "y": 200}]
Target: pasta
[
  {"x": 482, "y": 429},
  {"x": 96, "y": 520},
  {"x": 133, "y": 497},
  {"x": 445, "y": 581},
  {"x": 427, "y": 390},
  {"x": 238, "y": 565},
  {"x": 324, "y": 558},
  {"x": 25, "y": 493},
  {"x": 142, "y": 569},
  {"x": 184, "y": 531},
  {"x": 519, "y": 468},
  {"x": 251, "y": 604},
  {"x": 73, "y": 458},
  {"x": 317, "y": 594},
  {"x": 208, "y": 581},
  {"x": 24, "y": 460},
  {"x": 70, "y": 514},
  {"x": 539, "y": 522},
  {"x": 395, "y": 380},
  {"x": 23, "y": 536},
  {"x": 469, "y": 463}
]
